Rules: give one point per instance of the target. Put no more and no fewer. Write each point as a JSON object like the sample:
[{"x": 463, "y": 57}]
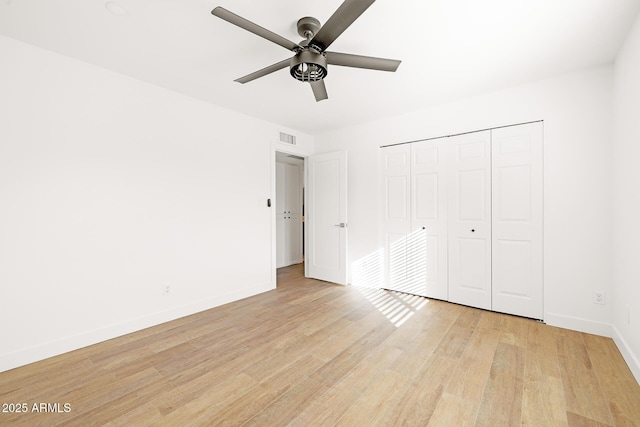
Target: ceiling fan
[{"x": 311, "y": 58}]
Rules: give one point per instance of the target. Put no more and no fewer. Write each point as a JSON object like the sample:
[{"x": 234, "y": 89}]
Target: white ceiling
[{"x": 449, "y": 49}]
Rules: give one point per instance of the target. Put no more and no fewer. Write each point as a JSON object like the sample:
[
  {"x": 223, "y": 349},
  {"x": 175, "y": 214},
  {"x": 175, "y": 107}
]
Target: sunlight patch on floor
[
  {"x": 397, "y": 307},
  {"x": 404, "y": 268}
]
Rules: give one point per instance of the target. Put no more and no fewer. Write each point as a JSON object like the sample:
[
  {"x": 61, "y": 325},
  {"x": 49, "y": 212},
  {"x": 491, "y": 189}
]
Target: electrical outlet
[
  {"x": 166, "y": 290},
  {"x": 599, "y": 298}
]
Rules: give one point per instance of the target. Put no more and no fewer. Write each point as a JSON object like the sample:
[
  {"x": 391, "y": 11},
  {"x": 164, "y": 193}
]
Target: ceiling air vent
[{"x": 287, "y": 139}]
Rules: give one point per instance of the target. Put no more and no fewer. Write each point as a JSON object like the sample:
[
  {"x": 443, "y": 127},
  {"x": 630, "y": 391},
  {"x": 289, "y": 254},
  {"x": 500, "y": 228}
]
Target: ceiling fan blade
[
  {"x": 319, "y": 90},
  {"x": 267, "y": 70},
  {"x": 344, "y": 16},
  {"x": 359, "y": 61},
  {"x": 256, "y": 29}
]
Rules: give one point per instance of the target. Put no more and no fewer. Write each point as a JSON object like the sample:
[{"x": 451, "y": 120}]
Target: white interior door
[
  {"x": 469, "y": 214},
  {"x": 294, "y": 214},
  {"x": 427, "y": 241},
  {"x": 517, "y": 282},
  {"x": 395, "y": 193},
  {"x": 327, "y": 217}
]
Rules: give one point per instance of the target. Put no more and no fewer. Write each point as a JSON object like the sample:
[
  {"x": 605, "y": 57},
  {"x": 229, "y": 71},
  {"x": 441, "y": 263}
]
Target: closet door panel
[
  {"x": 397, "y": 194},
  {"x": 428, "y": 237},
  {"x": 472, "y": 255},
  {"x": 294, "y": 214},
  {"x": 293, "y": 190},
  {"x": 395, "y": 218},
  {"x": 396, "y": 261},
  {"x": 517, "y": 220},
  {"x": 469, "y": 219}
]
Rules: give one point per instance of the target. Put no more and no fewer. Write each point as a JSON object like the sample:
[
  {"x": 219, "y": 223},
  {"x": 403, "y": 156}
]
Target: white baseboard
[
  {"x": 628, "y": 355},
  {"x": 63, "y": 345},
  {"x": 597, "y": 328},
  {"x": 578, "y": 324}
]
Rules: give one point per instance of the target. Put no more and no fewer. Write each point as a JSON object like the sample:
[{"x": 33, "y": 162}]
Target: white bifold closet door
[
  {"x": 414, "y": 220},
  {"x": 517, "y": 253},
  {"x": 469, "y": 195},
  {"x": 428, "y": 238},
  {"x": 396, "y": 218},
  {"x": 462, "y": 219}
]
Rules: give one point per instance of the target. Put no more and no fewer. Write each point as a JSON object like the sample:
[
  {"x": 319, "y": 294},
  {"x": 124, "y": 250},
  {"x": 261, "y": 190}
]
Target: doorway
[
  {"x": 289, "y": 208},
  {"x": 324, "y": 194}
]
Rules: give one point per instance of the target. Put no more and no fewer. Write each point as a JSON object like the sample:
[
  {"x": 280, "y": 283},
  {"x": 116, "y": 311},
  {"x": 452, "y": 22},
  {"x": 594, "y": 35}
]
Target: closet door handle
[{"x": 341, "y": 225}]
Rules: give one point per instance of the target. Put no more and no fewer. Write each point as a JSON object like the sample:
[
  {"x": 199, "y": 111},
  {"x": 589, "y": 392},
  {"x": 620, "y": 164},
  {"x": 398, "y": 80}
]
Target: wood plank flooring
[{"x": 315, "y": 354}]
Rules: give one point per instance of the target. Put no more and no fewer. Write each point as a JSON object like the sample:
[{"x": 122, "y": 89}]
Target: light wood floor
[{"x": 312, "y": 354}]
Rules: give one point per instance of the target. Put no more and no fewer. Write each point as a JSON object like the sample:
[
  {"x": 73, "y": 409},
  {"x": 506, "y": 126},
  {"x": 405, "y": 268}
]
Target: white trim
[
  {"x": 54, "y": 348},
  {"x": 278, "y": 147},
  {"x": 578, "y": 324},
  {"x": 632, "y": 360},
  {"x": 272, "y": 197}
]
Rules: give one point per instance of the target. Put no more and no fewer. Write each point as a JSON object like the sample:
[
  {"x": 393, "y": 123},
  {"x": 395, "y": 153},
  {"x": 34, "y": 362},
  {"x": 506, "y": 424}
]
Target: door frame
[
  {"x": 279, "y": 149},
  {"x": 298, "y": 163}
]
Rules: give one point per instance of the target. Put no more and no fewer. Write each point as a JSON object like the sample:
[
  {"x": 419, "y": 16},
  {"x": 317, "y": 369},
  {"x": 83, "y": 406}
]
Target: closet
[
  {"x": 288, "y": 214},
  {"x": 462, "y": 218}
]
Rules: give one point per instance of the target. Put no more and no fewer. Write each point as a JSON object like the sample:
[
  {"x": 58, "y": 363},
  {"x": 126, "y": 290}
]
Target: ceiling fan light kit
[
  {"x": 308, "y": 66},
  {"x": 311, "y": 59}
]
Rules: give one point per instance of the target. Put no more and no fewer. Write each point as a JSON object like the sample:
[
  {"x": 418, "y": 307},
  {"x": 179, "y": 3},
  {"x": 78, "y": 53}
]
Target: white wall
[
  {"x": 577, "y": 114},
  {"x": 111, "y": 188},
  {"x": 626, "y": 193}
]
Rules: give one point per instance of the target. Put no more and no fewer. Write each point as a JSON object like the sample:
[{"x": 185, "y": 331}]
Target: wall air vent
[{"x": 287, "y": 139}]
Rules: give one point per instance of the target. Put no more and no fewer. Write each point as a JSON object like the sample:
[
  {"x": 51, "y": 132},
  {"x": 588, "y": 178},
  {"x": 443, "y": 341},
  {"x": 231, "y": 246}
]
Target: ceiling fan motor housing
[{"x": 308, "y": 65}]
